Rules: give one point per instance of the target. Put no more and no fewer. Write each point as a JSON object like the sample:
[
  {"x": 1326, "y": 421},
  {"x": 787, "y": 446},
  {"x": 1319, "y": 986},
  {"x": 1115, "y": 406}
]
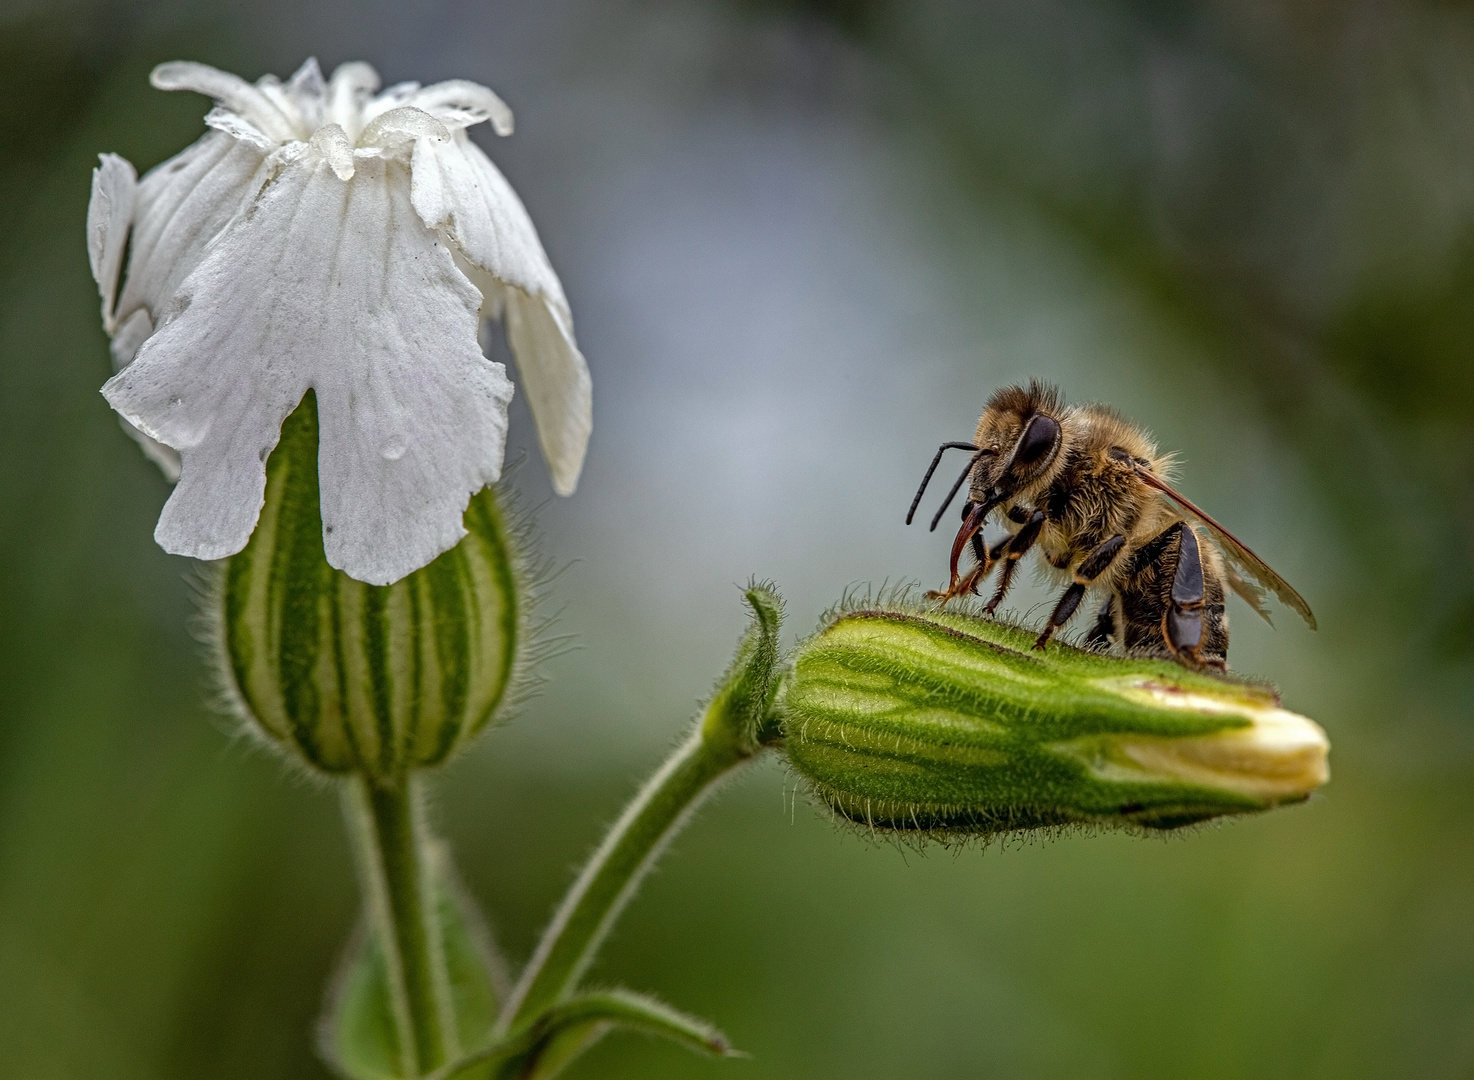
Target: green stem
[
  {"x": 615, "y": 870},
  {"x": 391, "y": 842}
]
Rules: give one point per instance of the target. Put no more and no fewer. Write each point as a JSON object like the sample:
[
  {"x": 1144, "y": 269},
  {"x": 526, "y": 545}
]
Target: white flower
[{"x": 324, "y": 237}]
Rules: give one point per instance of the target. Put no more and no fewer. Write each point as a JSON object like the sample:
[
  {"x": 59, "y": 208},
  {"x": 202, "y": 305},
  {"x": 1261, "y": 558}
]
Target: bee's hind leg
[
  {"x": 1091, "y": 568},
  {"x": 1190, "y": 624}
]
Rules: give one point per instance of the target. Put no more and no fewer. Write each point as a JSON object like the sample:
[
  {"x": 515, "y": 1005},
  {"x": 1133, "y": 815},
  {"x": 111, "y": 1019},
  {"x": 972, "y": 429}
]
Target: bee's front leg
[{"x": 973, "y": 516}]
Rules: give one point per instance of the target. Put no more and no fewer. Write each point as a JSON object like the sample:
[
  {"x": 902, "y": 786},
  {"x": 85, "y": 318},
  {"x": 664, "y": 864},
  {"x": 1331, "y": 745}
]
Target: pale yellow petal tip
[{"x": 1280, "y": 756}]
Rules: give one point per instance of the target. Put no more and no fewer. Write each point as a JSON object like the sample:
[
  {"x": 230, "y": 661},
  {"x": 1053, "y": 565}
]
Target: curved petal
[
  {"x": 109, "y": 212},
  {"x": 555, "y": 377},
  {"x": 332, "y": 143},
  {"x": 231, "y": 91},
  {"x": 459, "y": 103},
  {"x": 402, "y": 127},
  {"x": 392, "y": 98},
  {"x": 335, "y": 286},
  {"x": 349, "y": 91},
  {"x": 308, "y": 91},
  {"x": 458, "y": 191},
  {"x": 238, "y": 127},
  {"x": 132, "y": 332},
  {"x": 182, "y": 205}
]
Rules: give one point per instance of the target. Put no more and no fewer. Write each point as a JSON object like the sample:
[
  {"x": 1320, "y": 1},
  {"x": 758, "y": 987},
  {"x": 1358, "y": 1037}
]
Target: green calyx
[
  {"x": 740, "y": 713},
  {"x": 360, "y": 678},
  {"x": 933, "y": 722}
]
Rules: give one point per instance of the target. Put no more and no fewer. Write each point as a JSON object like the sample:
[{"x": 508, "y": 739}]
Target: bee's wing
[
  {"x": 1251, "y": 593},
  {"x": 1240, "y": 556}
]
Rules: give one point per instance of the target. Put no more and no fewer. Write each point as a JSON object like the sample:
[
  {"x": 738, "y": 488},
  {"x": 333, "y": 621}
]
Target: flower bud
[
  {"x": 940, "y": 723},
  {"x": 357, "y": 678}
]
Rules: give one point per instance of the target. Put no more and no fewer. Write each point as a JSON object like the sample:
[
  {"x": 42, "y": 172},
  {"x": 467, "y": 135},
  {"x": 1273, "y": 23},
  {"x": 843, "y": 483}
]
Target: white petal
[
  {"x": 231, "y": 91},
  {"x": 129, "y": 338},
  {"x": 131, "y": 334},
  {"x": 349, "y": 90},
  {"x": 182, "y": 205},
  {"x": 401, "y": 127},
  {"x": 392, "y": 98},
  {"x": 337, "y": 287},
  {"x": 238, "y": 127},
  {"x": 461, "y": 104},
  {"x": 308, "y": 91},
  {"x": 460, "y": 192},
  {"x": 332, "y": 143},
  {"x": 555, "y": 377},
  {"x": 165, "y": 457},
  {"x": 114, "y": 189},
  {"x": 272, "y": 89}
]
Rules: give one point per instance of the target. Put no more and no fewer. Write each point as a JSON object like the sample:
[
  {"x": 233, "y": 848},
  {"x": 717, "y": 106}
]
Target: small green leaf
[
  {"x": 565, "y": 1031},
  {"x": 740, "y": 704},
  {"x": 358, "y": 1036}
]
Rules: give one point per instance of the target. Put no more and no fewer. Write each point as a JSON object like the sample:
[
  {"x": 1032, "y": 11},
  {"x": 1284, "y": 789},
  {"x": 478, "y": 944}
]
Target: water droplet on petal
[{"x": 394, "y": 451}]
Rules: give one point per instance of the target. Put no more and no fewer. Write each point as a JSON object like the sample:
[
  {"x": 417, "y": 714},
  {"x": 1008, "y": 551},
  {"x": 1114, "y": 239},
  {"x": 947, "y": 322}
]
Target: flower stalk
[
  {"x": 614, "y": 872},
  {"x": 728, "y": 734},
  {"x": 391, "y": 847}
]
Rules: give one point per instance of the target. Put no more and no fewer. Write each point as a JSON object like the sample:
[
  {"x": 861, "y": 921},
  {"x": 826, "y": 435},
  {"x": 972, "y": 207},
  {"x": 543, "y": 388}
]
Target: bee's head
[{"x": 1020, "y": 437}]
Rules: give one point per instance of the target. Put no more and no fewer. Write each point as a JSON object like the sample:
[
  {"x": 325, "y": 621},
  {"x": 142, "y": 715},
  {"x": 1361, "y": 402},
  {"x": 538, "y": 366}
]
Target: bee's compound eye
[{"x": 1038, "y": 439}]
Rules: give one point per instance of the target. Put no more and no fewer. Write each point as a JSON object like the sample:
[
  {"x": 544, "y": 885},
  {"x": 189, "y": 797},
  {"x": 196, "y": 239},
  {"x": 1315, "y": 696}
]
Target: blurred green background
[{"x": 803, "y": 241}]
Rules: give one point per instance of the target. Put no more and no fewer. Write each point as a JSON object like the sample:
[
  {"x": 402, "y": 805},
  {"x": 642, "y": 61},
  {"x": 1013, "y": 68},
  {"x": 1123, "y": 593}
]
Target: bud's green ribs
[
  {"x": 938, "y": 722},
  {"x": 365, "y": 678}
]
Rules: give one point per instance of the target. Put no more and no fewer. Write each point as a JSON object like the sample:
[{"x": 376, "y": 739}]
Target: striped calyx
[
  {"x": 371, "y": 679},
  {"x": 934, "y": 722}
]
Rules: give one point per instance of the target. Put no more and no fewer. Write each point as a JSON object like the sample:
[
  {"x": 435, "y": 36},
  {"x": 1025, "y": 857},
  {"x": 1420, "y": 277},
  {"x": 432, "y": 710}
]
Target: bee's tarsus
[{"x": 1187, "y": 579}]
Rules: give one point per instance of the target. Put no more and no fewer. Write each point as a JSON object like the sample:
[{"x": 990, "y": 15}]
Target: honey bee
[{"x": 1088, "y": 490}]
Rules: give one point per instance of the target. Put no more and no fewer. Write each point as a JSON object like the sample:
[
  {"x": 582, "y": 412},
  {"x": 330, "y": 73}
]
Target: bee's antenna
[
  {"x": 955, "y": 488},
  {"x": 927, "y": 478}
]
